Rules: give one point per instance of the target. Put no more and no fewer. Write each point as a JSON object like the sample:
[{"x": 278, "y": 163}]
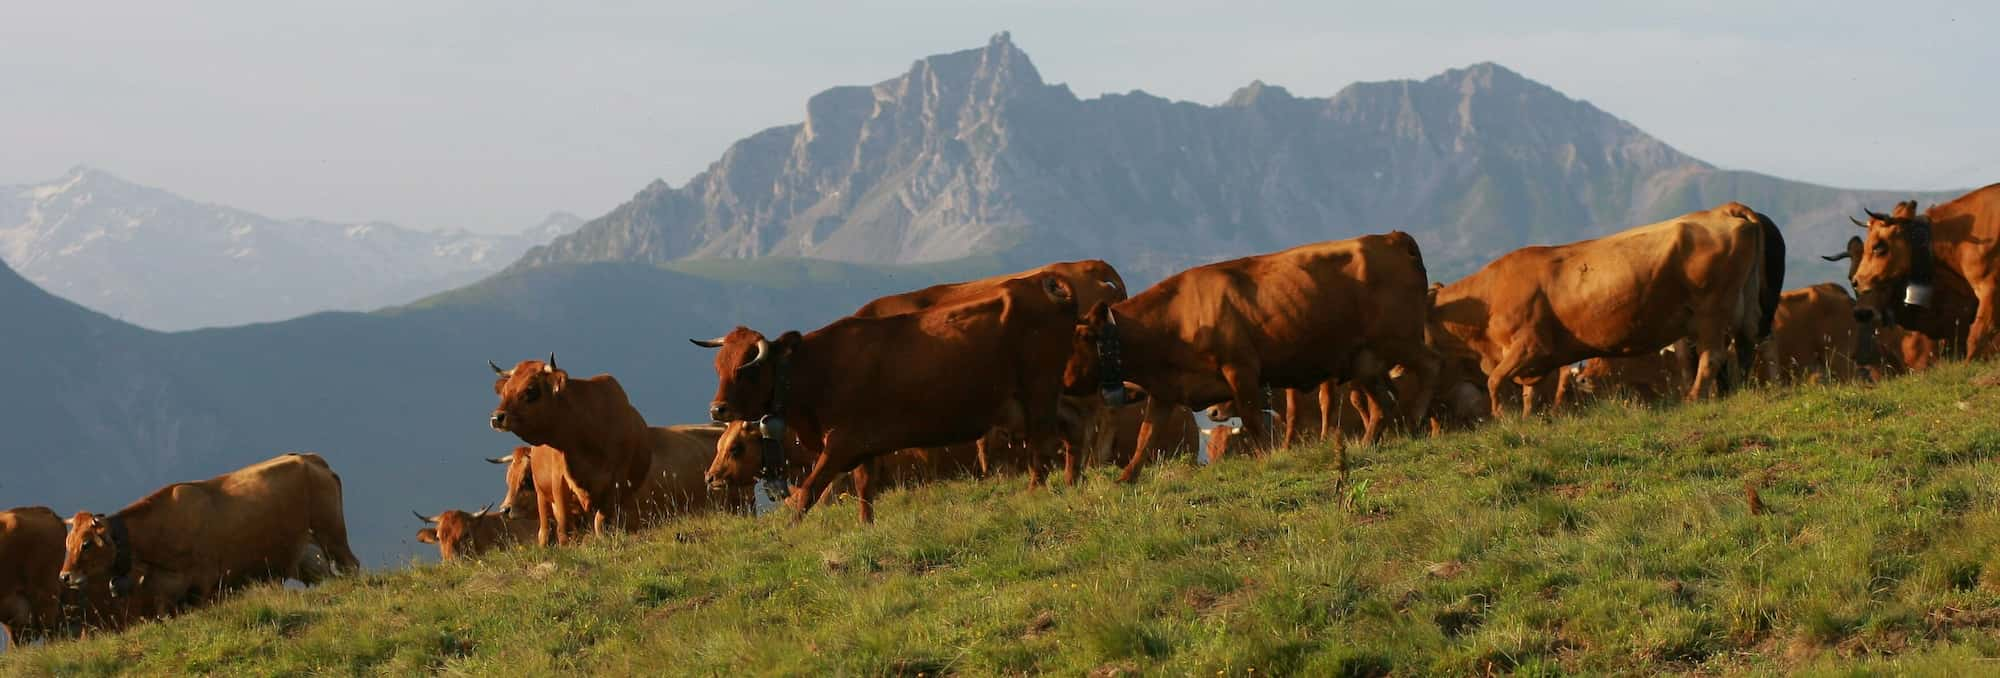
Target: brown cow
[
  {"x": 738, "y": 461},
  {"x": 1346, "y": 310},
  {"x": 1315, "y": 412},
  {"x": 1813, "y": 338},
  {"x": 863, "y": 387},
  {"x": 31, "y": 553},
  {"x": 674, "y": 484},
  {"x": 1087, "y": 421},
  {"x": 189, "y": 541},
  {"x": 1935, "y": 271},
  {"x": 605, "y": 444},
  {"x": 1648, "y": 377},
  {"x": 540, "y": 476},
  {"x": 1713, "y": 276},
  {"x": 1900, "y": 350},
  {"x": 458, "y": 534}
]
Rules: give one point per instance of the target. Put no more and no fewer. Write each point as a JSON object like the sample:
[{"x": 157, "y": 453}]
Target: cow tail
[{"x": 1774, "y": 275}]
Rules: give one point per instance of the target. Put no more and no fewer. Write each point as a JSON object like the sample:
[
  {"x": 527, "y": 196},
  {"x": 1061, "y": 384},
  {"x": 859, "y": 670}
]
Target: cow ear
[{"x": 427, "y": 536}]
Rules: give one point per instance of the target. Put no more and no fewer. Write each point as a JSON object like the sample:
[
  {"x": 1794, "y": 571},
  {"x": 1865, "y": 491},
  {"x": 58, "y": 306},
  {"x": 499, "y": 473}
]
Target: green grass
[{"x": 1615, "y": 541}]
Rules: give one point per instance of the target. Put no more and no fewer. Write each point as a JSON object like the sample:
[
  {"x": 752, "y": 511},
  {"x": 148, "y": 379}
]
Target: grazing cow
[
  {"x": 1346, "y": 310},
  {"x": 1814, "y": 337},
  {"x": 189, "y": 541},
  {"x": 673, "y": 487},
  {"x": 1086, "y": 425},
  {"x": 1713, "y": 276},
  {"x": 863, "y": 387},
  {"x": 458, "y": 534},
  {"x": 1648, "y": 377},
  {"x": 676, "y": 485},
  {"x": 1322, "y": 411},
  {"x": 1933, "y": 272},
  {"x": 605, "y": 445},
  {"x": 31, "y": 554},
  {"x": 738, "y": 461}
]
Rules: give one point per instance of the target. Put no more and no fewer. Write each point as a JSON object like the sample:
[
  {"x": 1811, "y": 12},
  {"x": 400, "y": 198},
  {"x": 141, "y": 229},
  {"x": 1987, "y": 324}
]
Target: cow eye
[
  {"x": 87, "y": 545},
  {"x": 531, "y": 394}
]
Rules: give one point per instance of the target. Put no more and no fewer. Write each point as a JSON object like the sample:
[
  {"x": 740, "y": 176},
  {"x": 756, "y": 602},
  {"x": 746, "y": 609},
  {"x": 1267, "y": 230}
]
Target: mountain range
[
  {"x": 165, "y": 262},
  {"x": 973, "y": 153},
  {"x": 967, "y": 165}
]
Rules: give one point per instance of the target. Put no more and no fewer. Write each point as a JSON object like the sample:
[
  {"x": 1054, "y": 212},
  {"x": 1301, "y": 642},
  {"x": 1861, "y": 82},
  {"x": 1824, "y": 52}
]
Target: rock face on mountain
[
  {"x": 162, "y": 261},
  {"x": 972, "y": 152}
]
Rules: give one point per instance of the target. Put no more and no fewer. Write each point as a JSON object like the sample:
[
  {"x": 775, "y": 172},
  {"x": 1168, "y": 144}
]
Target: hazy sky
[{"x": 490, "y": 114}]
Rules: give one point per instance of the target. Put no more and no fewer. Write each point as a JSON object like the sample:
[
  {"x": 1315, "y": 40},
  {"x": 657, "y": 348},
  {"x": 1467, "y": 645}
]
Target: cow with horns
[{"x": 1937, "y": 272}]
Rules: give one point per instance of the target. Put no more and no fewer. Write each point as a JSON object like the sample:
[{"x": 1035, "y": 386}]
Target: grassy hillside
[{"x": 1619, "y": 540}]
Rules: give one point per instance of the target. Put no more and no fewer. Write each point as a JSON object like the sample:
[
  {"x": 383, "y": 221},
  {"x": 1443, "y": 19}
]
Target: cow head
[
  {"x": 95, "y": 550},
  {"x": 1893, "y": 271},
  {"x": 457, "y": 533},
  {"x": 738, "y": 456},
  {"x": 750, "y": 371},
  {"x": 530, "y": 396},
  {"x": 1109, "y": 287},
  {"x": 520, "y": 481}
]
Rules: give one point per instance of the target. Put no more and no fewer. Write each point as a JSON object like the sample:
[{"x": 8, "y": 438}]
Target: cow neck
[
  {"x": 773, "y": 431},
  {"x": 121, "y": 552},
  {"x": 1138, "y": 346}
]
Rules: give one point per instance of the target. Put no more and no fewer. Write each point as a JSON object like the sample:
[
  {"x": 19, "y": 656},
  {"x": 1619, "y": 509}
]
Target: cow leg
[
  {"x": 559, "y": 507},
  {"x": 1503, "y": 374},
  {"x": 1153, "y": 410},
  {"x": 1248, "y": 393},
  {"x": 1373, "y": 414},
  {"x": 544, "y": 520},
  {"x": 985, "y": 462},
  {"x": 834, "y": 445},
  {"x": 864, "y": 490},
  {"x": 1980, "y": 339},
  {"x": 1292, "y": 407}
]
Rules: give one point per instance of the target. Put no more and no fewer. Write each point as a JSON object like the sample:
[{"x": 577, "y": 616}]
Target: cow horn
[
  {"x": 483, "y": 510},
  {"x": 1872, "y": 214},
  {"x": 496, "y": 368},
  {"x": 763, "y": 349},
  {"x": 1858, "y": 222},
  {"x": 550, "y": 366},
  {"x": 1834, "y": 257},
  {"x": 421, "y": 517},
  {"x": 708, "y": 343},
  {"x": 498, "y": 460}
]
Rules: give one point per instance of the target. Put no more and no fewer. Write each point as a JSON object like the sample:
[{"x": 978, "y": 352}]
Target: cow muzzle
[
  {"x": 718, "y": 412},
  {"x": 498, "y": 421},
  {"x": 73, "y": 580},
  {"x": 714, "y": 482}
]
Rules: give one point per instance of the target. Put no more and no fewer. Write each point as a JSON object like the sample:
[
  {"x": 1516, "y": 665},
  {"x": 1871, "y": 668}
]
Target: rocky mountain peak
[{"x": 1257, "y": 92}]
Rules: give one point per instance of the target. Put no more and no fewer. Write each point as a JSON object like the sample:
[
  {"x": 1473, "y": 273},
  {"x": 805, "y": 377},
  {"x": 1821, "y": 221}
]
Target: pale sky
[{"x": 490, "y": 114}]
